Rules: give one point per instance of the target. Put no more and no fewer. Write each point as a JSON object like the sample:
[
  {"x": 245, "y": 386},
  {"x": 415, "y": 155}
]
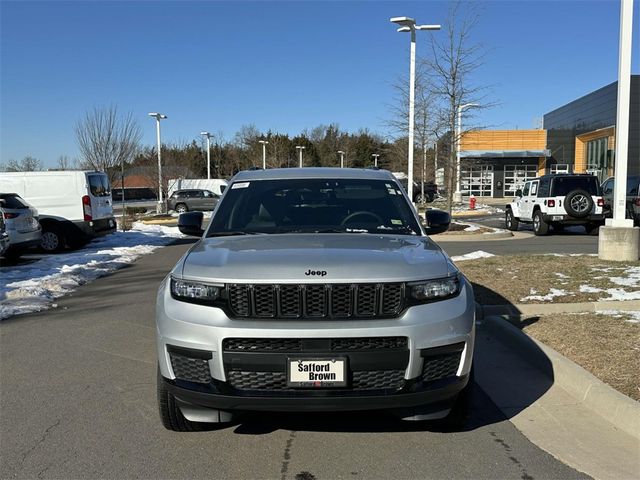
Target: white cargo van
[{"x": 73, "y": 206}]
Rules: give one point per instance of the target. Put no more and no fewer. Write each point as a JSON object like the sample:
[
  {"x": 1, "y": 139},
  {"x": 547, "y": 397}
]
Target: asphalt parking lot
[{"x": 78, "y": 400}]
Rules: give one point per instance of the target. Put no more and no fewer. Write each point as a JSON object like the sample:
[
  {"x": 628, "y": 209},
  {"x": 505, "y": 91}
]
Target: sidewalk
[{"x": 578, "y": 419}]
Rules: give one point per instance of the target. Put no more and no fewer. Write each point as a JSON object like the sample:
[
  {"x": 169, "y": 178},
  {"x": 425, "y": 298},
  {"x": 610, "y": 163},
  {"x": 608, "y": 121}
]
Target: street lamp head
[
  {"x": 300, "y": 147},
  {"x": 204, "y": 133},
  {"x": 158, "y": 116},
  {"x": 263, "y": 142},
  {"x": 403, "y": 21},
  {"x": 428, "y": 27},
  {"x": 340, "y": 152},
  {"x": 468, "y": 105}
]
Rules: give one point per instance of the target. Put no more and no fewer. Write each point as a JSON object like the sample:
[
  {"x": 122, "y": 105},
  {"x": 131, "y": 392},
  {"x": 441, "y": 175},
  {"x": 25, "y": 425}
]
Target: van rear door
[{"x": 99, "y": 195}]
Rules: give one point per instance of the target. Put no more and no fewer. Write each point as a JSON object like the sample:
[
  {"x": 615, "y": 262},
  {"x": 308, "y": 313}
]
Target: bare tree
[
  {"x": 27, "y": 164},
  {"x": 425, "y": 125},
  {"x": 106, "y": 140},
  {"x": 452, "y": 62},
  {"x": 63, "y": 162}
]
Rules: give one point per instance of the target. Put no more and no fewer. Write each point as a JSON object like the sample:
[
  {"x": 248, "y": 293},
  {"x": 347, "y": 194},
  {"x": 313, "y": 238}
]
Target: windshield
[
  {"x": 99, "y": 185},
  {"x": 314, "y": 206}
]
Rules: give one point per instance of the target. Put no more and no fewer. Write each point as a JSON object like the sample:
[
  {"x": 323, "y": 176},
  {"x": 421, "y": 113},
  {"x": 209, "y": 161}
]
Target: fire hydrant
[{"x": 472, "y": 202}]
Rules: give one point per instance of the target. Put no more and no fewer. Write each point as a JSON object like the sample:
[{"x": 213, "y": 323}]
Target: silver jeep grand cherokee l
[{"x": 311, "y": 290}]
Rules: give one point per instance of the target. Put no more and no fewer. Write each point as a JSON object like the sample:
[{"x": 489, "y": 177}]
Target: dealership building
[{"x": 578, "y": 137}]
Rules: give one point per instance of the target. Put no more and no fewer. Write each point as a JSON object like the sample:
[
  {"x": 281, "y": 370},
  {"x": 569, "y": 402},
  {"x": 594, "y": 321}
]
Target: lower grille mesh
[
  {"x": 362, "y": 380},
  {"x": 440, "y": 366},
  {"x": 190, "y": 369}
]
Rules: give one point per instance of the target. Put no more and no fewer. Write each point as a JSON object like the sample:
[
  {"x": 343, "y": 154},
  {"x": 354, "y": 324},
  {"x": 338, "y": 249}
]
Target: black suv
[
  {"x": 193, "y": 199},
  {"x": 430, "y": 190},
  {"x": 633, "y": 198}
]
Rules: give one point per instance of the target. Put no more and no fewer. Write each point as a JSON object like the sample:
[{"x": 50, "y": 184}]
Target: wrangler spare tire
[{"x": 578, "y": 203}]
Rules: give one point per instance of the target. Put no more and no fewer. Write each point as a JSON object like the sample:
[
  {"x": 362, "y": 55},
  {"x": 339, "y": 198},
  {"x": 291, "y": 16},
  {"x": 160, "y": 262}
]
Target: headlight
[
  {"x": 435, "y": 289},
  {"x": 195, "y": 292}
]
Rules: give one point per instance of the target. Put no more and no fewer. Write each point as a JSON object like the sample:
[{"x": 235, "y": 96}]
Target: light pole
[
  {"x": 618, "y": 239},
  {"x": 300, "y": 148},
  {"x": 208, "y": 135},
  {"x": 408, "y": 24},
  {"x": 375, "y": 159},
  {"x": 341, "y": 153},
  {"x": 158, "y": 117},
  {"x": 457, "y": 195},
  {"x": 264, "y": 153}
]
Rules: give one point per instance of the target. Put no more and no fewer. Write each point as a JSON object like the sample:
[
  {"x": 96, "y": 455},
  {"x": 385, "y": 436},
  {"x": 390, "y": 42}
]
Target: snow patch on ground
[
  {"x": 554, "y": 292},
  {"x": 632, "y": 278},
  {"x": 472, "y": 228},
  {"x": 34, "y": 287},
  {"x": 633, "y": 314},
  {"x": 620, "y": 294},
  {"x": 589, "y": 289},
  {"x": 561, "y": 275},
  {"x": 472, "y": 256}
]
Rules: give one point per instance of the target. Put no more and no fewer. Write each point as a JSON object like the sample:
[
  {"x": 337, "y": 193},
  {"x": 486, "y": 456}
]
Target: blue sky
[{"x": 283, "y": 66}]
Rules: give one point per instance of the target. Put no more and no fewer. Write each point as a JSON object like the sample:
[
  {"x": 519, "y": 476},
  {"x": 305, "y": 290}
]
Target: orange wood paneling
[{"x": 504, "y": 140}]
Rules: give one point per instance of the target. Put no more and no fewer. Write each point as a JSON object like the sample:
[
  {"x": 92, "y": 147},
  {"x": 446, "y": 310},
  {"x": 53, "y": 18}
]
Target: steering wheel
[{"x": 362, "y": 213}]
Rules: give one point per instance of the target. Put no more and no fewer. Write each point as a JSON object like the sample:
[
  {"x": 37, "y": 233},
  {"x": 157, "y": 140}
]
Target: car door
[
  {"x": 210, "y": 200},
  {"x": 197, "y": 200},
  {"x": 607, "y": 194},
  {"x": 526, "y": 202}
]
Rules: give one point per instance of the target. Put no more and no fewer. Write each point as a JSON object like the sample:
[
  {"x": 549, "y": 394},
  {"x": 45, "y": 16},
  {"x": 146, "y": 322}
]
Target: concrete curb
[
  {"x": 524, "y": 309},
  {"x": 474, "y": 237},
  {"x": 588, "y": 391}
]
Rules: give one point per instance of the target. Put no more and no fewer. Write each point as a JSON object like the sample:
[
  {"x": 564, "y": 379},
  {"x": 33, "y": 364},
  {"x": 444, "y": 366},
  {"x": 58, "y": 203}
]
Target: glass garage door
[
  {"x": 477, "y": 180},
  {"x": 516, "y": 175}
]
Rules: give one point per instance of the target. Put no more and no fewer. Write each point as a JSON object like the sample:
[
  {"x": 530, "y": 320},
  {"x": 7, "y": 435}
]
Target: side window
[
  {"x": 607, "y": 188},
  {"x": 534, "y": 188},
  {"x": 198, "y": 193},
  {"x": 525, "y": 191}
]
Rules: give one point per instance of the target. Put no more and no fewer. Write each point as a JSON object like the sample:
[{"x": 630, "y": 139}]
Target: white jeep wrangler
[{"x": 557, "y": 200}]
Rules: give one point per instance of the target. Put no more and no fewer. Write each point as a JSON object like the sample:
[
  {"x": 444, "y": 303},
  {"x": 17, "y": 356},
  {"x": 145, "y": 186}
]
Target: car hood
[{"x": 314, "y": 258}]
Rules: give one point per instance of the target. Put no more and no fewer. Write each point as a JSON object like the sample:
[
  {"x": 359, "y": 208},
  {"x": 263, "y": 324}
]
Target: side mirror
[
  {"x": 519, "y": 192},
  {"x": 437, "y": 221},
  {"x": 190, "y": 223},
  {"x": 222, "y": 189}
]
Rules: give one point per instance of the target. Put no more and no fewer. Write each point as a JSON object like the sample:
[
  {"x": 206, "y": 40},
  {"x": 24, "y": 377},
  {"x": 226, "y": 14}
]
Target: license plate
[
  {"x": 317, "y": 372},
  {"x": 556, "y": 217}
]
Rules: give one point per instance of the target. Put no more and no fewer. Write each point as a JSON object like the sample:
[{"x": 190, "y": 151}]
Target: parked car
[
  {"x": 556, "y": 201},
  {"x": 430, "y": 190},
  {"x": 194, "y": 199},
  {"x": 633, "y": 198},
  {"x": 73, "y": 206},
  {"x": 312, "y": 290},
  {"x": 21, "y": 225},
  {"x": 4, "y": 236}
]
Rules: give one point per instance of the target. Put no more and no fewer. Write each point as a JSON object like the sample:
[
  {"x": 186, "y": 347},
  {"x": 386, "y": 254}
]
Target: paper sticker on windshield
[
  {"x": 388, "y": 185},
  {"x": 391, "y": 191},
  {"x": 396, "y": 222},
  {"x": 240, "y": 185}
]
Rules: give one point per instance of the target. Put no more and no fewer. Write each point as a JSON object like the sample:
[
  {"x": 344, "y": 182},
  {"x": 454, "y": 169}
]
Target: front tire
[
  {"x": 540, "y": 227},
  {"x": 170, "y": 414},
  {"x": 52, "y": 240},
  {"x": 510, "y": 221},
  {"x": 182, "y": 208}
]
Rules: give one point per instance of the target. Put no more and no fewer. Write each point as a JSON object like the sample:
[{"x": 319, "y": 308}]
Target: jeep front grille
[{"x": 369, "y": 300}]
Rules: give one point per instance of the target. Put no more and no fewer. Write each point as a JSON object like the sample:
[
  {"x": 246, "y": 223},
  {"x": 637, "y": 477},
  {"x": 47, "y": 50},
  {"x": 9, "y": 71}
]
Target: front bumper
[
  {"x": 440, "y": 396},
  {"x": 434, "y": 327}
]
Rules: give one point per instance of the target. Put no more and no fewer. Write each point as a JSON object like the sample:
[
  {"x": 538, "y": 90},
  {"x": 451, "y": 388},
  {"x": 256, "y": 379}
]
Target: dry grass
[
  {"x": 607, "y": 345},
  {"x": 510, "y": 279}
]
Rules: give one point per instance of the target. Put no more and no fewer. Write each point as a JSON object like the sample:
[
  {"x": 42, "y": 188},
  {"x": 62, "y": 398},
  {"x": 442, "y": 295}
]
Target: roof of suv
[{"x": 312, "y": 172}]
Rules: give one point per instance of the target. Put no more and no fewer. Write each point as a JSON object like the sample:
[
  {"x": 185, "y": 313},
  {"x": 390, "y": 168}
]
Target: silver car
[
  {"x": 22, "y": 225},
  {"x": 314, "y": 290}
]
